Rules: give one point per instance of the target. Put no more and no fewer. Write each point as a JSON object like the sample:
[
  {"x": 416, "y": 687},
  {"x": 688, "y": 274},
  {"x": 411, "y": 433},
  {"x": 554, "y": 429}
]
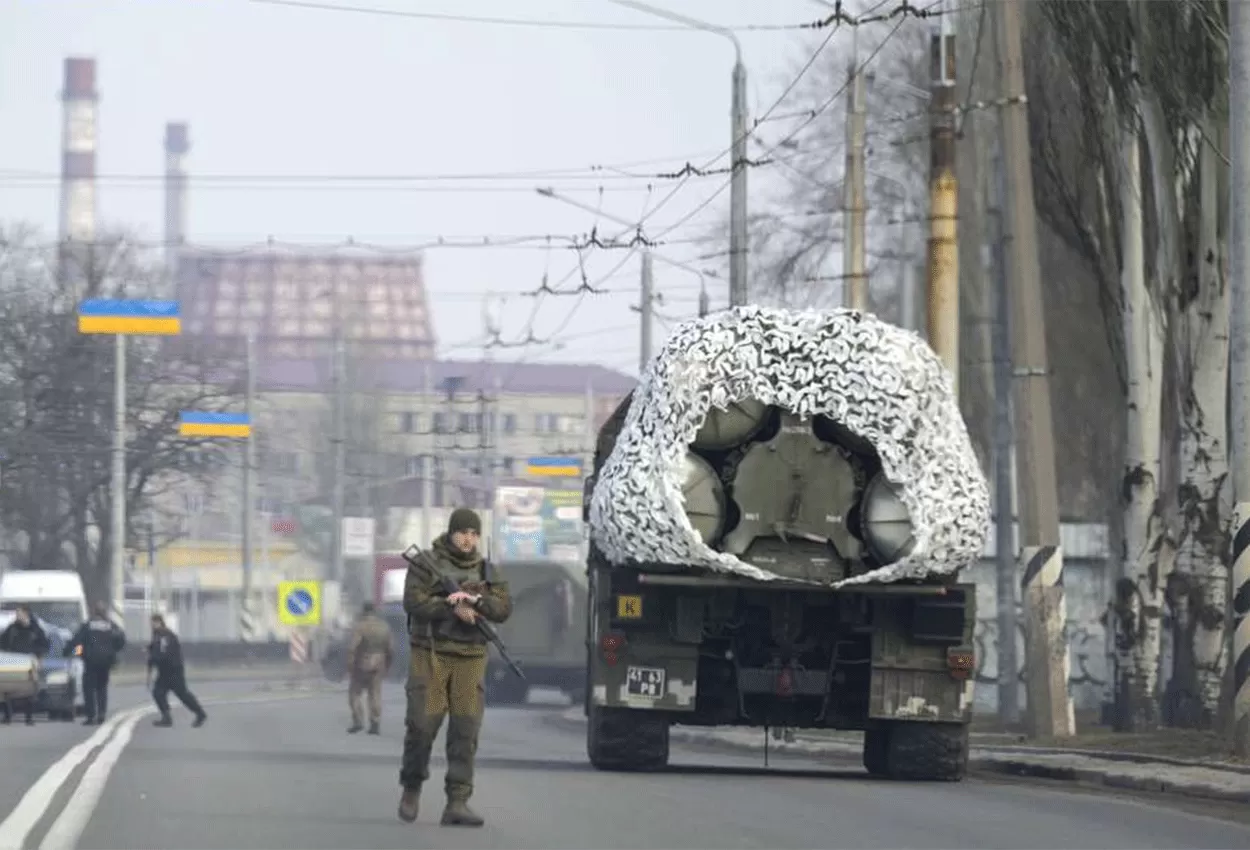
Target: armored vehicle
[
  {"x": 797, "y": 633},
  {"x": 546, "y": 633}
]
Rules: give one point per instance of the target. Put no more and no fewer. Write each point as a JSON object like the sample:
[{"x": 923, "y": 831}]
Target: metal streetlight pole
[{"x": 738, "y": 149}]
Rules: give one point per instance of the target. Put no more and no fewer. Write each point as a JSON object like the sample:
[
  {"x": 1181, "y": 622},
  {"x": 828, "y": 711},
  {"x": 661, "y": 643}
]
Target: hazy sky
[{"x": 272, "y": 91}]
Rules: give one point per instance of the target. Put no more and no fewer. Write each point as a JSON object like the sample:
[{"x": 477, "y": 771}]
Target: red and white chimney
[
  {"x": 78, "y": 148},
  {"x": 177, "y": 145}
]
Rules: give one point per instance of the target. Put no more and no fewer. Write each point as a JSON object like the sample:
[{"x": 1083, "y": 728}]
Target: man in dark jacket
[
  {"x": 101, "y": 641},
  {"x": 25, "y": 636},
  {"x": 165, "y": 657},
  {"x": 447, "y": 667}
]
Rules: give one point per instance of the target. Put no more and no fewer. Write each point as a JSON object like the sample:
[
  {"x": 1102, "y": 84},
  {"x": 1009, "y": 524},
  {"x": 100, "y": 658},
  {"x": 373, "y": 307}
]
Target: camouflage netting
[{"x": 881, "y": 382}]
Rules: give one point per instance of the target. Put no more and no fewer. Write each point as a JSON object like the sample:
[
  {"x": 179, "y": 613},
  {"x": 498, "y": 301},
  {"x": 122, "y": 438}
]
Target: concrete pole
[
  {"x": 738, "y": 247},
  {"x": 943, "y": 269},
  {"x": 1239, "y": 361},
  {"x": 646, "y": 304},
  {"x": 247, "y": 623},
  {"x": 338, "y": 444},
  {"x": 854, "y": 195},
  {"x": 1004, "y": 508},
  {"x": 427, "y": 463},
  {"x": 118, "y": 561},
  {"x": 1047, "y": 657}
]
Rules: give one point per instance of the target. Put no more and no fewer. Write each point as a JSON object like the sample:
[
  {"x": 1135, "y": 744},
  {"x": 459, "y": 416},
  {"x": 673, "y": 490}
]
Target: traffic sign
[
  {"x": 358, "y": 537},
  {"x": 299, "y": 603}
]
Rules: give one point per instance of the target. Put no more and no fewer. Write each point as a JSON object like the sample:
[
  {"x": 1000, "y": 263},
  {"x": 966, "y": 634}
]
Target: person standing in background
[
  {"x": 101, "y": 641},
  {"x": 369, "y": 655},
  {"x": 165, "y": 657}
]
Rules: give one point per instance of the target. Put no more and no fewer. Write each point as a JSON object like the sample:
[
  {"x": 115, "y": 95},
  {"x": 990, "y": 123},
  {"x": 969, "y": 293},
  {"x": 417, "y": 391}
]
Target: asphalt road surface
[{"x": 274, "y": 769}]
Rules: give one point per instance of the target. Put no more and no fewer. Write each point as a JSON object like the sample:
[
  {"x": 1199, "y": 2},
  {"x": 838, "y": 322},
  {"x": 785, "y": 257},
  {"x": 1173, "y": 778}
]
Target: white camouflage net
[{"x": 881, "y": 382}]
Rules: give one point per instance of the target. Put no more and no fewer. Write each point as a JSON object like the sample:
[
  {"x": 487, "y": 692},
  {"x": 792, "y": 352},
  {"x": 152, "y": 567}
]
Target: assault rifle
[{"x": 414, "y": 556}]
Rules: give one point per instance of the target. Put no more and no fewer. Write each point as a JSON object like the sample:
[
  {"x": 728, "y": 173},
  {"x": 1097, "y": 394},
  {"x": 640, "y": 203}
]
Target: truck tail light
[
  {"x": 785, "y": 683},
  {"x": 610, "y": 645},
  {"x": 961, "y": 662}
]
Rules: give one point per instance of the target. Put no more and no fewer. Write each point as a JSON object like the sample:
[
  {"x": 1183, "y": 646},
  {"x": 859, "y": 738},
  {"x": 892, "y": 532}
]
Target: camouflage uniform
[
  {"x": 447, "y": 672},
  {"x": 369, "y": 655}
]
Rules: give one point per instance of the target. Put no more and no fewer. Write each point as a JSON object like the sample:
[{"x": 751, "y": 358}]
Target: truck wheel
[
  {"x": 934, "y": 752},
  {"x": 620, "y": 739}
]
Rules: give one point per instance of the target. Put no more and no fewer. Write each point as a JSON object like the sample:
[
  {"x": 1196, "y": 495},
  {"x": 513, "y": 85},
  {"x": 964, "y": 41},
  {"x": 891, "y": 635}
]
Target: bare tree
[
  {"x": 56, "y": 401},
  {"x": 1142, "y": 168}
]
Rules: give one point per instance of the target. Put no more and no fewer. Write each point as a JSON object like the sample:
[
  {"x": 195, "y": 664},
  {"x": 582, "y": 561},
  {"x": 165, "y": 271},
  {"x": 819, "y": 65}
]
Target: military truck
[
  {"x": 806, "y": 499},
  {"x": 546, "y": 633}
]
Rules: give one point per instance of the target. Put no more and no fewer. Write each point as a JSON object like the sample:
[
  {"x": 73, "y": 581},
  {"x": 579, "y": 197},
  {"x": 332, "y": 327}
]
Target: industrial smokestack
[
  {"x": 177, "y": 144},
  {"x": 78, "y": 147}
]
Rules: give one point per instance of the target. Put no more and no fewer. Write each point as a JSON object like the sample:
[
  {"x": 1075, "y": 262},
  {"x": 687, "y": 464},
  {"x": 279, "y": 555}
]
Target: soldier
[
  {"x": 101, "y": 641},
  {"x": 369, "y": 655},
  {"x": 447, "y": 668}
]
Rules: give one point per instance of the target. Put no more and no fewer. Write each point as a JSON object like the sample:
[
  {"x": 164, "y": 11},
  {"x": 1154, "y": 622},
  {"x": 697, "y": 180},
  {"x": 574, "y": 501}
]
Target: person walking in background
[
  {"x": 165, "y": 657},
  {"x": 26, "y": 637},
  {"x": 369, "y": 655},
  {"x": 101, "y": 641}
]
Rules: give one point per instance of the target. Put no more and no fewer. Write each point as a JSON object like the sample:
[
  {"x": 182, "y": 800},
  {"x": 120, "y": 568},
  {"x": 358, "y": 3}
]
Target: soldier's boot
[
  {"x": 354, "y": 728},
  {"x": 165, "y": 720},
  {"x": 199, "y": 719},
  {"x": 458, "y": 813},
  {"x": 409, "y": 803},
  {"x": 375, "y": 728}
]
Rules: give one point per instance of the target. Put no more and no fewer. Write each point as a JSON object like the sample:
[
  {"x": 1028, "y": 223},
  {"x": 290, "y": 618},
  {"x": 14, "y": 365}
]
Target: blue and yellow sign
[
  {"x": 118, "y": 316},
  {"x": 556, "y": 467},
  {"x": 299, "y": 603},
  {"x": 194, "y": 423}
]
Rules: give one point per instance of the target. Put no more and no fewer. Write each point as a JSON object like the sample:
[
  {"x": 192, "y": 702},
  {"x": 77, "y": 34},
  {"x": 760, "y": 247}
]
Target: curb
[{"x": 990, "y": 762}]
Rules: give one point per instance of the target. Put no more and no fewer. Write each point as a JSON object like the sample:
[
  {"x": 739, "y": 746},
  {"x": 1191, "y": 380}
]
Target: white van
[{"x": 56, "y": 596}]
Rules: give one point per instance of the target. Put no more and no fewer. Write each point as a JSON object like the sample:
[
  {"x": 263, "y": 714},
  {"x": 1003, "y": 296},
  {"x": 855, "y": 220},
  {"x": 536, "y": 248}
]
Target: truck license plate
[{"x": 645, "y": 682}]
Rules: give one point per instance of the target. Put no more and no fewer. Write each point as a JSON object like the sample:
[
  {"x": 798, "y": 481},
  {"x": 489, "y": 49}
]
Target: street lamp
[{"x": 738, "y": 149}]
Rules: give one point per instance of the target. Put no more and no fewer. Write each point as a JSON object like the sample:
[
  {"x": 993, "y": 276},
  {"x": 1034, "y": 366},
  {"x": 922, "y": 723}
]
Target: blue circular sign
[{"x": 299, "y": 602}]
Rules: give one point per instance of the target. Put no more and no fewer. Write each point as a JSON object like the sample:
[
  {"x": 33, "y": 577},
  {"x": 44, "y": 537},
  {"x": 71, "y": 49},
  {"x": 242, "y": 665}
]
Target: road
[{"x": 274, "y": 769}]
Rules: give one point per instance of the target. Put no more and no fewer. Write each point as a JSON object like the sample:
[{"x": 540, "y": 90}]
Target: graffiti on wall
[{"x": 1087, "y": 645}]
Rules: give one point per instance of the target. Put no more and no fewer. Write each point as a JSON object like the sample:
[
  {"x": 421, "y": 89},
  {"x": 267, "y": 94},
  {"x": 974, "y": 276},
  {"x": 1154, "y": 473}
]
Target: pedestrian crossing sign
[{"x": 299, "y": 603}]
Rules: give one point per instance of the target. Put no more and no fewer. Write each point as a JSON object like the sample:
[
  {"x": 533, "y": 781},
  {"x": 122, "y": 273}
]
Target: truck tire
[
  {"x": 915, "y": 751},
  {"x": 620, "y": 739},
  {"x": 876, "y": 752}
]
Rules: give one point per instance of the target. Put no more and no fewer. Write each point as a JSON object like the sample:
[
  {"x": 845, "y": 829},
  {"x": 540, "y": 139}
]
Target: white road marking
[
  {"x": 34, "y": 803},
  {"x": 69, "y": 825}
]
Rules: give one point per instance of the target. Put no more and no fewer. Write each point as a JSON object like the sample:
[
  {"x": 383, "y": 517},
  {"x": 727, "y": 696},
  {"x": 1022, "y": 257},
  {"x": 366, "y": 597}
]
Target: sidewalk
[{"x": 1211, "y": 780}]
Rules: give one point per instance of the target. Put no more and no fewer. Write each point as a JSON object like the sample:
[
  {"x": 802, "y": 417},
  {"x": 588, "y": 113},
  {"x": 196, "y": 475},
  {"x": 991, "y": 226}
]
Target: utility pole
[
  {"x": 943, "y": 269},
  {"x": 854, "y": 196},
  {"x": 427, "y": 462},
  {"x": 1047, "y": 659},
  {"x": 118, "y": 561},
  {"x": 738, "y": 189},
  {"x": 338, "y": 442},
  {"x": 1004, "y": 514},
  {"x": 646, "y": 311},
  {"x": 246, "y": 621},
  {"x": 1239, "y": 363}
]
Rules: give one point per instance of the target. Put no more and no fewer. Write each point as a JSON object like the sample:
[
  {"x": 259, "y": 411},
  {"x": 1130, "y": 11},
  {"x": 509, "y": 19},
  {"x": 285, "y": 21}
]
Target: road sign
[
  {"x": 358, "y": 537},
  {"x": 194, "y": 423},
  {"x": 122, "y": 316},
  {"x": 299, "y": 603},
  {"x": 562, "y": 467}
]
